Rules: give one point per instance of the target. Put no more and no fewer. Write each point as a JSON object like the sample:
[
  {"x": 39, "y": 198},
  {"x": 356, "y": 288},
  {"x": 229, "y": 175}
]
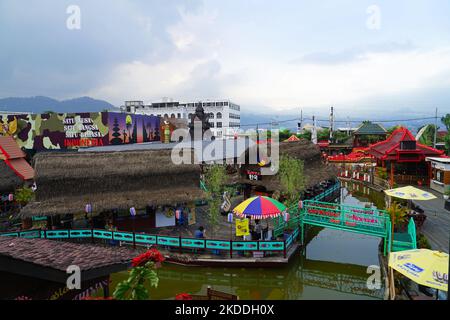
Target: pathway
[{"x": 437, "y": 225}]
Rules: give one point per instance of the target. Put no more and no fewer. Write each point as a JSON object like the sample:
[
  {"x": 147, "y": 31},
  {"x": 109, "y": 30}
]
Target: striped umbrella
[{"x": 260, "y": 208}]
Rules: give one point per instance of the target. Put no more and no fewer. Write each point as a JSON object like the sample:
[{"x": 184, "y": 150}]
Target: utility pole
[
  {"x": 331, "y": 123},
  {"x": 299, "y": 125},
  {"x": 435, "y": 128}
]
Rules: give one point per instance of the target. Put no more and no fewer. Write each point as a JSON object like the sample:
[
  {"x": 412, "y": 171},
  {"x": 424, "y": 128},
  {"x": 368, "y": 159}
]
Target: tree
[
  {"x": 427, "y": 136},
  {"x": 291, "y": 177},
  {"x": 446, "y": 121},
  {"x": 393, "y": 128},
  {"x": 215, "y": 178},
  {"x": 323, "y": 134},
  {"x": 24, "y": 195}
]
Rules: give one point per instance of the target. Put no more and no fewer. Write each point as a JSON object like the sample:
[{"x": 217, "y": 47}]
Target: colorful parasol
[
  {"x": 410, "y": 193},
  {"x": 426, "y": 267},
  {"x": 260, "y": 207}
]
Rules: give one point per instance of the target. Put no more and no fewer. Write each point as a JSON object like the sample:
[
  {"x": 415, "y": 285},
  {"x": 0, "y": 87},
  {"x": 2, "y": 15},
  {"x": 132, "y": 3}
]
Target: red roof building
[
  {"x": 14, "y": 157},
  {"x": 404, "y": 157}
]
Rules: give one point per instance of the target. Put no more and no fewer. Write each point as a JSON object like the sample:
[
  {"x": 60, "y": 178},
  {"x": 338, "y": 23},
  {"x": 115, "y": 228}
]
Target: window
[
  {"x": 172, "y": 116},
  {"x": 211, "y": 115},
  {"x": 219, "y": 124},
  {"x": 190, "y": 116},
  {"x": 178, "y": 115},
  {"x": 212, "y": 124},
  {"x": 408, "y": 145},
  {"x": 219, "y": 115}
]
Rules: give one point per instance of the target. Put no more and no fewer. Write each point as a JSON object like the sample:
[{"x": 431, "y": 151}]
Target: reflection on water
[{"x": 334, "y": 266}]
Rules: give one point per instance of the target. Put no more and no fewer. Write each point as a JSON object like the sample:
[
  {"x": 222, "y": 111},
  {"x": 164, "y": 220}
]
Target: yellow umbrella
[
  {"x": 409, "y": 193},
  {"x": 426, "y": 267}
]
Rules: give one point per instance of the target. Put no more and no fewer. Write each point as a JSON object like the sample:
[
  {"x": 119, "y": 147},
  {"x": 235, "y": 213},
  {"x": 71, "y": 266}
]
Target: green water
[{"x": 333, "y": 266}]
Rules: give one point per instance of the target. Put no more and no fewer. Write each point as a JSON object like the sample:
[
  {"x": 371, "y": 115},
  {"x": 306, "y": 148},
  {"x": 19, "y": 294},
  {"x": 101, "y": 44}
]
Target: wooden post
[
  {"x": 285, "y": 250},
  {"x": 231, "y": 248},
  {"x": 134, "y": 240},
  {"x": 181, "y": 250}
]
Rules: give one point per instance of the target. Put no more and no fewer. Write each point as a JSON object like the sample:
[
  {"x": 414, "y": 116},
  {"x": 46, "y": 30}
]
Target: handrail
[{"x": 159, "y": 240}]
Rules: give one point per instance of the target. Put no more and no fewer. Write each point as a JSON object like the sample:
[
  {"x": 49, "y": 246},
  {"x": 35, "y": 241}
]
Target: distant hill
[{"x": 41, "y": 104}]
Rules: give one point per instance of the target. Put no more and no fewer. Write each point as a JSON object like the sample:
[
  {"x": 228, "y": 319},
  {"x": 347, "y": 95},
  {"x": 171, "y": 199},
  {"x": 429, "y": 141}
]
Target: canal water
[{"x": 333, "y": 266}]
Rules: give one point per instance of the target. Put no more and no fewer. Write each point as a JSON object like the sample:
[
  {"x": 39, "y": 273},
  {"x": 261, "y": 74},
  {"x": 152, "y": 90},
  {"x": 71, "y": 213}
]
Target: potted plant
[
  {"x": 447, "y": 194},
  {"x": 398, "y": 214}
]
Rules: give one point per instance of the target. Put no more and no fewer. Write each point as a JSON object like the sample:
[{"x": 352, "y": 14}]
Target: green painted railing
[
  {"x": 406, "y": 241},
  {"x": 160, "y": 240}
]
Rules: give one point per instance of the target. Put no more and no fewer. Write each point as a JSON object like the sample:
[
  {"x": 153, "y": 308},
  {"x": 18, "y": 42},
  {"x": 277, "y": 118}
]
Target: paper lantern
[
  {"x": 300, "y": 204},
  {"x": 230, "y": 217},
  {"x": 286, "y": 216},
  {"x": 88, "y": 208},
  {"x": 132, "y": 211},
  {"x": 11, "y": 197}
]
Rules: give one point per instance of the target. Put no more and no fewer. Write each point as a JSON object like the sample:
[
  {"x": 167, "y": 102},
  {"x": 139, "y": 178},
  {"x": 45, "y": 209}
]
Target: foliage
[
  {"x": 292, "y": 178},
  {"x": 382, "y": 173},
  {"x": 305, "y": 135},
  {"x": 144, "y": 265},
  {"x": 422, "y": 242},
  {"x": 215, "y": 178},
  {"x": 24, "y": 195},
  {"x": 323, "y": 134},
  {"x": 447, "y": 191},
  {"x": 340, "y": 137},
  {"x": 393, "y": 128},
  {"x": 285, "y": 134},
  {"x": 427, "y": 137},
  {"x": 398, "y": 212},
  {"x": 446, "y": 121}
]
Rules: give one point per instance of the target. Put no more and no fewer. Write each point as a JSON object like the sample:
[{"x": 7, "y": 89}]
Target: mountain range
[{"x": 42, "y": 104}]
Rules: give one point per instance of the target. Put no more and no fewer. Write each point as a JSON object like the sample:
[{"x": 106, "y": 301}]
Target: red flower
[
  {"x": 183, "y": 296},
  {"x": 151, "y": 255}
]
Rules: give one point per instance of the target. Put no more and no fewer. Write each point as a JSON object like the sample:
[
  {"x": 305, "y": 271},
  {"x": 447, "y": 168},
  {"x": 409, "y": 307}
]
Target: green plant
[
  {"x": 447, "y": 191},
  {"x": 24, "y": 195},
  {"x": 422, "y": 242},
  {"x": 292, "y": 178},
  {"x": 215, "y": 178},
  {"x": 398, "y": 213},
  {"x": 143, "y": 271}
]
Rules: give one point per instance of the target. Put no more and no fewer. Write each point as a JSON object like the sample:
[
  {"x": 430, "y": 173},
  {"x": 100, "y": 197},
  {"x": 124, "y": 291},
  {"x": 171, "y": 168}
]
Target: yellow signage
[{"x": 242, "y": 227}]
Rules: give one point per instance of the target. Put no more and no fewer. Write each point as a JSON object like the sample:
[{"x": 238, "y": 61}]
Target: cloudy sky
[{"x": 264, "y": 55}]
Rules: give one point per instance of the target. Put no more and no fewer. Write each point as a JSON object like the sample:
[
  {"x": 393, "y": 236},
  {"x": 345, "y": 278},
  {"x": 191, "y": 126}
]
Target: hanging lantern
[
  {"x": 286, "y": 216},
  {"x": 133, "y": 211},
  {"x": 300, "y": 204},
  {"x": 230, "y": 217},
  {"x": 88, "y": 208},
  {"x": 11, "y": 197}
]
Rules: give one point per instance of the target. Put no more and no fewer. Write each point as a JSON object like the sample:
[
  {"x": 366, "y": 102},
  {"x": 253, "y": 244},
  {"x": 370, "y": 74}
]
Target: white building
[{"x": 224, "y": 115}]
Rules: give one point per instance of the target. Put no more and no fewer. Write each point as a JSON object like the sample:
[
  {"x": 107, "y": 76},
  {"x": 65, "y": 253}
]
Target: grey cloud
[{"x": 40, "y": 55}]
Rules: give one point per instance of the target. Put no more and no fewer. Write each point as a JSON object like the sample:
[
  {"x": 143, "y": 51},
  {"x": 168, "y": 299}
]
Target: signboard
[
  {"x": 253, "y": 175},
  {"x": 242, "y": 227}
]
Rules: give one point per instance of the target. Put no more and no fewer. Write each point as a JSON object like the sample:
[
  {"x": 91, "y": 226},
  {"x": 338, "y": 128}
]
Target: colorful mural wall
[{"x": 77, "y": 130}]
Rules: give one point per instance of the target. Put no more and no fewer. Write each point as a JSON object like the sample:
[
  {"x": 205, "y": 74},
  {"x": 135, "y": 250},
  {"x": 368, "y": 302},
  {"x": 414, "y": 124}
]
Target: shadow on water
[{"x": 333, "y": 266}]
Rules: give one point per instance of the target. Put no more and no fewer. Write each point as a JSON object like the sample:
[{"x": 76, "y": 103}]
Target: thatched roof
[
  {"x": 9, "y": 181},
  {"x": 314, "y": 169},
  {"x": 66, "y": 182}
]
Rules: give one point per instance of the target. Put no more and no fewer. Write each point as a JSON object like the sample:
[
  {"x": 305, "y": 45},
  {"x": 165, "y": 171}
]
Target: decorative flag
[
  {"x": 133, "y": 211},
  {"x": 286, "y": 216},
  {"x": 242, "y": 227},
  {"x": 230, "y": 217}
]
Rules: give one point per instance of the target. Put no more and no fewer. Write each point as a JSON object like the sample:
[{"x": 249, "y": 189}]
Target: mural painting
[
  {"x": 76, "y": 130},
  {"x": 132, "y": 128}
]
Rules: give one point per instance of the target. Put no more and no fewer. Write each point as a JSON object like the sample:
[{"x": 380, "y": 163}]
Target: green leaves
[
  {"x": 134, "y": 288},
  {"x": 215, "y": 179},
  {"x": 292, "y": 178},
  {"x": 24, "y": 195}
]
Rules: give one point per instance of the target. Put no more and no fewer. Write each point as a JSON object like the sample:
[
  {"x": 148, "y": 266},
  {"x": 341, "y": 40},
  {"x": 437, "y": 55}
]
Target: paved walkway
[{"x": 437, "y": 225}]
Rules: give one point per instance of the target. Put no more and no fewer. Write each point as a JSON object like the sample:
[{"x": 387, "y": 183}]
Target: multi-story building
[{"x": 224, "y": 115}]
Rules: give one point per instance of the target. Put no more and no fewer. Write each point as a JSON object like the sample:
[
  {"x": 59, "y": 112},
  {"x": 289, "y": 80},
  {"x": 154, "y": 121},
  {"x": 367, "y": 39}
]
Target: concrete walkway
[{"x": 437, "y": 225}]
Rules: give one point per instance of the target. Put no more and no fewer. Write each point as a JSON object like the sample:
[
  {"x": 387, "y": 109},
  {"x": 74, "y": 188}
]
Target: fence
[{"x": 180, "y": 243}]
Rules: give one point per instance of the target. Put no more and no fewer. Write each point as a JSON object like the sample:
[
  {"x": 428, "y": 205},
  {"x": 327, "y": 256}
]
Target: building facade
[{"x": 224, "y": 115}]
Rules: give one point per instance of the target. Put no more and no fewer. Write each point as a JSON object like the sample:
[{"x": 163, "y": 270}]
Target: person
[
  {"x": 258, "y": 229},
  {"x": 200, "y": 233}
]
